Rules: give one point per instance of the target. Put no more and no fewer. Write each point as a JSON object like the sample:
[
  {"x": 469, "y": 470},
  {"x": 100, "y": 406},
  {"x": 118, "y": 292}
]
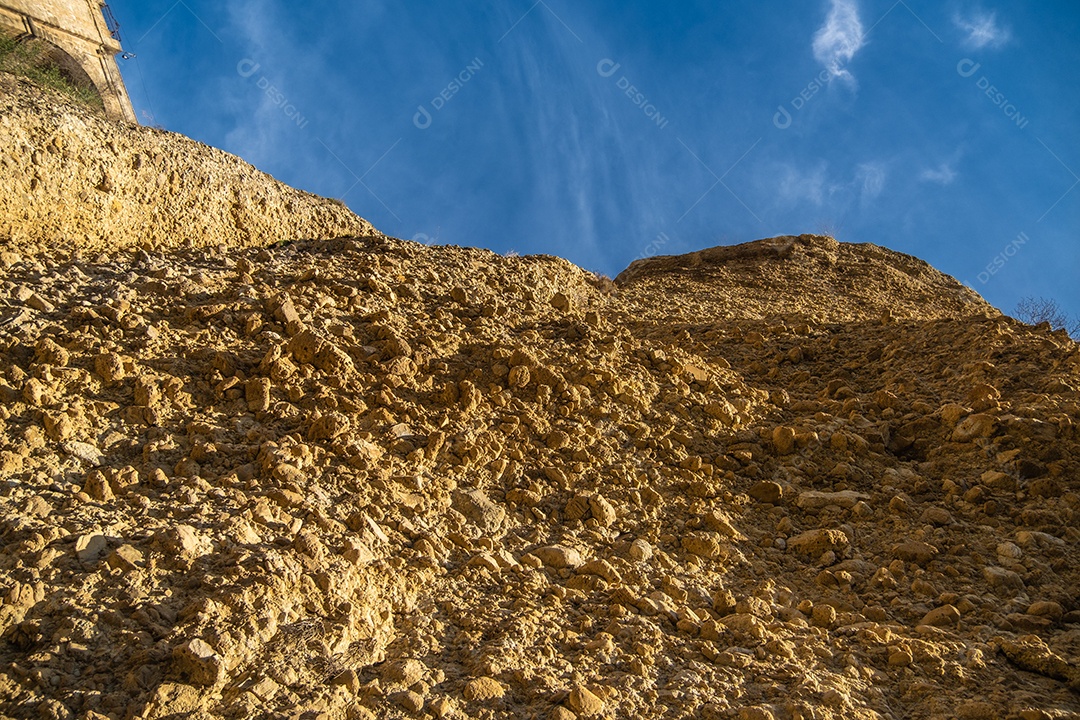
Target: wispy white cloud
[
  {"x": 814, "y": 185},
  {"x": 564, "y": 177},
  {"x": 982, "y": 30},
  {"x": 257, "y": 135},
  {"x": 869, "y": 180},
  {"x": 837, "y": 41},
  {"x": 270, "y": 96},
  {"x": 943, "y": 174},
  {"x": 796, "y": 186}
]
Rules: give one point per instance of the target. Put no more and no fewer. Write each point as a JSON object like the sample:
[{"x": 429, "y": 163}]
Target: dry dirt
[{"x": 364, "y": 478}]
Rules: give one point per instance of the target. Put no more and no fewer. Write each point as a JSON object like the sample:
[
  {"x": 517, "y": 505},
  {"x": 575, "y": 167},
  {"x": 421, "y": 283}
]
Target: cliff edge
[{"x": 73, "y": 180}]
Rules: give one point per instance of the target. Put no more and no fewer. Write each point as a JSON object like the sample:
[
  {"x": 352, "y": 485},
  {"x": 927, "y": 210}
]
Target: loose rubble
[{"x": 365, "y": 478}]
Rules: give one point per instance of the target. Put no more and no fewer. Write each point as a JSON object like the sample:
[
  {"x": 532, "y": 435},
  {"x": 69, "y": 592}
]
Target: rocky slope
[{"x": 362, "y": 478}]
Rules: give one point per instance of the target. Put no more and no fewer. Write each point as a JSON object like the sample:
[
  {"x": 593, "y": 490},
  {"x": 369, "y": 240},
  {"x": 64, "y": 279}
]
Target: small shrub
[
  {"x": 1033, "y": 310},
  {"x": 830, "y": 228}
]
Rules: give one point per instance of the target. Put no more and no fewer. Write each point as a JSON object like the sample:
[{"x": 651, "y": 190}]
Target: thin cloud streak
[
  {"x": 837, "y": 41},
  {"x": 259, "y": 131},
  {"x": 541, "y": 52}
]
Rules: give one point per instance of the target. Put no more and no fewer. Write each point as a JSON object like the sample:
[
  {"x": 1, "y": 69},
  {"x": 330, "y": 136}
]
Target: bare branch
[{"x": 1033, "y": 310}]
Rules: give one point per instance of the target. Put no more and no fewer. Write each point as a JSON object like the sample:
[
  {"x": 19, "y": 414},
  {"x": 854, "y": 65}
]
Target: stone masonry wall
[{"x": 78, "y": 28}]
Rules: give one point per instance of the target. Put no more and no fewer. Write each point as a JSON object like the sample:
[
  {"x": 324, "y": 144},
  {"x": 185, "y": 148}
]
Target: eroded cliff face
[
  {"x": 364, "y": 478},
  {"x": 73, "y": 180}
]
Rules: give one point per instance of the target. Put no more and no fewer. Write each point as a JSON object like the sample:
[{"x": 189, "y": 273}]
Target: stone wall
[{"x": 76, "y": 27}]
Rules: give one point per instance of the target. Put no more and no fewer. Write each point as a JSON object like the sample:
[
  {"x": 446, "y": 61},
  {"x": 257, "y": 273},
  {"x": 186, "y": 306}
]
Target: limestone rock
[
  {"x": 84, "y": 451},
  {"x": 125, "y": 557},
  {"x": 915, "y": 551},
  {"x": 257, "y": 394},
  {"x": 198, "y": 662},
  {"x": 110, "y": 367},
  {"x": 814, "y": 543},
  {"x": 183, "y": 541},
  {"x": 478, "y": 508},
  {"x": 558, "y": 556},
  {"x": 704, "y": 545},
  {"x": 405, "y": 672},
  {"x": 783, "y": 439},
  {"x": 941, "y": 616},
  {"x": 602, "y": 511},
  {"x": 90, "y": 548},
  {"x": 1046, "y": 608},
  {"x": 97, "y": 486},
  {"x": 482, "y": 689},
  {"x": 640, "y": 550},
  {"x": 766, "y": 492},
  {"x": 813, "y": 500},
  {"x": 974, "y": 426},
  {"x": 584, "y": 702}
]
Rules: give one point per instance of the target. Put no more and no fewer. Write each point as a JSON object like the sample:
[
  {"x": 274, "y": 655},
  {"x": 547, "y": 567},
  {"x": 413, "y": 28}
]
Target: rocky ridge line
[{"x": 800, "y": 275}]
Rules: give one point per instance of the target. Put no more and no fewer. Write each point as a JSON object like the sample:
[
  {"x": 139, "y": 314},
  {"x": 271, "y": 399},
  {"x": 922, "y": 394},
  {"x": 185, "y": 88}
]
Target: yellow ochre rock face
[
  {"x": 358, "y": 477},
  {"x": 71, "y": 179}
]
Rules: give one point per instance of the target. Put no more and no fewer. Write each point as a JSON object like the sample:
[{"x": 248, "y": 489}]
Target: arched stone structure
[{"x": 79, "y": 41}]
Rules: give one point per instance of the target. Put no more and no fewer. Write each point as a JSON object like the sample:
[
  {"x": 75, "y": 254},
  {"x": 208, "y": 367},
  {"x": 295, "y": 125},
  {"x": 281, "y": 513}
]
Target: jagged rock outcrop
[
  {"x": 364, "y": 478},
  {"x": 801, "y": 275}
]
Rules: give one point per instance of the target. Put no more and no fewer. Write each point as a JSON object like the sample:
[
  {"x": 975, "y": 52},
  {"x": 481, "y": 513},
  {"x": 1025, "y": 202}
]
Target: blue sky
[{"x": 605, "y": 131}]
